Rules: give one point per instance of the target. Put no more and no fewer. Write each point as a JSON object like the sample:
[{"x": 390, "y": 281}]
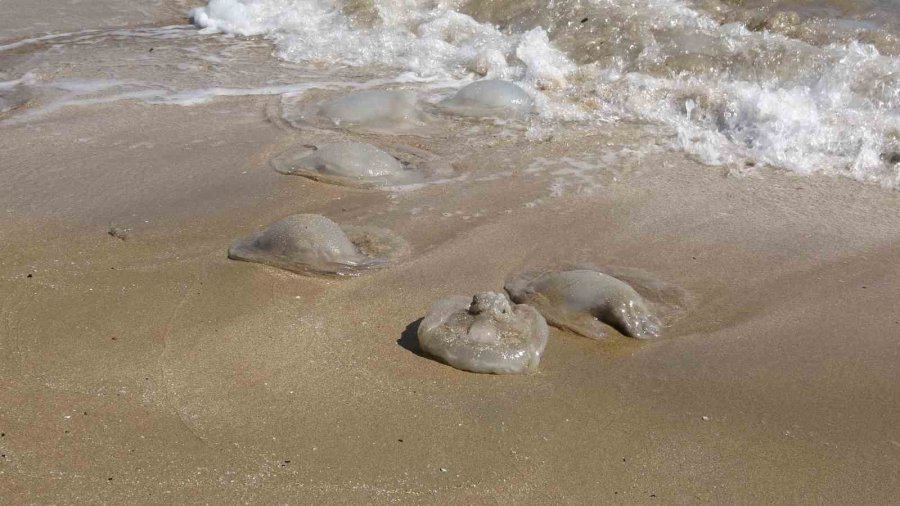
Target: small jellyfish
[
  {"x": 376, "y": 110},
  {"x": 309, "y": 243},
  {"x": 585, "y": 301},
  {"x": 489, "y": 98},
  {"x": 352, "y": 163},
  {"x": 485, "y": 334}
]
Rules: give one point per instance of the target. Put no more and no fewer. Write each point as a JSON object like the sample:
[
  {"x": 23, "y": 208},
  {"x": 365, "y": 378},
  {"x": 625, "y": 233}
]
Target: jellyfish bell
[
  {"x": 484, "y": 334},
  {"x": 353, "y": 159},
  {"x": 13, "y": 98},
  {"x": 346, "y": 163},
  {"x": 363, "y": 165},
  {"x": 313, "y": 244},
  {"x": 386, "y": 111},
  {"x": 586, "y": 302},
  {"x": 489, "y": 98}
]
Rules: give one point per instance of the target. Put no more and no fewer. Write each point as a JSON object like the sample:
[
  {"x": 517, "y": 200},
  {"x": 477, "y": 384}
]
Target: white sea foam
[
  {"x": 427, "y": 38},
  {"x": 750, "y": 97},
  {"x": 731, "y": 95}
]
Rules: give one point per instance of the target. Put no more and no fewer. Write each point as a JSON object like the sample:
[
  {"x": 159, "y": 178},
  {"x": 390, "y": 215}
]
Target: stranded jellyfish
[
  {"x": 309, "y": 243},
  {"x": 484, "y": 334},
  {"x": 376, "y": 110},
  {"x": 363, "y": 165},
  {"x": 585, "y": 301},
  {"x": 350, "y": 163},
  {"x": 489, "y": 98}
]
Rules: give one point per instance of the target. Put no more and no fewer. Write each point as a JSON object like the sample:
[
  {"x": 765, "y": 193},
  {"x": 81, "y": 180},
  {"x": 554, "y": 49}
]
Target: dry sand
[{"x": 155, "y": 370}]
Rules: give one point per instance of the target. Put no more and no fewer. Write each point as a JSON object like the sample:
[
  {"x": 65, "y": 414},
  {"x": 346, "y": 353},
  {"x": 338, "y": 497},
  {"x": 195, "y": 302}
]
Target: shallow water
[
  {"x": 215, "y": 372},
  {"x": 804, "y": 86},
  {"x": 808, "y": 87}
]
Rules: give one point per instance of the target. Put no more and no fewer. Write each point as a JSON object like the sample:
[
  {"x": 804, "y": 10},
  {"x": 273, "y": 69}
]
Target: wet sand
[{"x": 153, "y": 369}]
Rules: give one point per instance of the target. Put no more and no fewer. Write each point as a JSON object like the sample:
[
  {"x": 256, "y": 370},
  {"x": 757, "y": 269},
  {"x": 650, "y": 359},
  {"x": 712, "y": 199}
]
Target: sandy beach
[{"x": 150, "y": 369}]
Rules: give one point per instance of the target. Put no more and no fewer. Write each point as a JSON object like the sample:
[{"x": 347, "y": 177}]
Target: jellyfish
[
  {"x": 363, "y": 165},
  {"x": 350, "y": 163},
  {"x": 489, "y": 98},
  {"x": 376, "y": 110},
  {"x": 586, "y": 302},
  {"x": 484, "y": 334},
  {"x": 313, "y": 244}
]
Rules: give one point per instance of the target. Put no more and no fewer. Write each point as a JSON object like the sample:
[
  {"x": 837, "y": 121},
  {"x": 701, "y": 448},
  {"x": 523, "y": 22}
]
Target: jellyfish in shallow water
[
  {"x": 376, "y": 110},
  {"x": 489, "y": 98},
  {"x": 351, "y": 163},
  {"x": 586, "y": 301},
  {"x": 309, "y": 243},
  {"x": 363, "y": 165},
  {"x": 484, "y": 334}
]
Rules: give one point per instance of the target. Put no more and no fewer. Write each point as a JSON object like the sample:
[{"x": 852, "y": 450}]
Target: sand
[{"x": 155, "y": 370}]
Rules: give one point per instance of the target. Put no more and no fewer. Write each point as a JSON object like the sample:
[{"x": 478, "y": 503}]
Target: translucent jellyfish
[
  {"x": 313, "y": 244},
  {"x": 376, "y": 110},
  {"x": 485, "y": 334},
  {"x": 352, "y": 163},
  {"x": 585, "y": 301},
  {"x": 363, "y": 165},
  {"x": 489, "y": 98}
]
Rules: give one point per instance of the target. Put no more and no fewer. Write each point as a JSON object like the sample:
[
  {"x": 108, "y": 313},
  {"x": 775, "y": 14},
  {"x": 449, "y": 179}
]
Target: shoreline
[
  {"x": 150, "y": 368},
  {"x": 787, "y": 355}
]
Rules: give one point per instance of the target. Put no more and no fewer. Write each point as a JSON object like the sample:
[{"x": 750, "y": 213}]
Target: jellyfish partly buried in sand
[
  {"x": 313, "y": 244},
  {"x": 348, "y": 163},
  {"x": 489, "y": 98},
  {"x": 484, "y": 334},
  {"x": 382, "y": 111},
  {"x": 588, "y": 301}
]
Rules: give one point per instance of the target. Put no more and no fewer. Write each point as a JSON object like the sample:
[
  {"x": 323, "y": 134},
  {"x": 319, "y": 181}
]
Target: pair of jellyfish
[
  {"x": 399, "y": 109},
  {"x": 506, "y": 334},
  {"x": 361, "y": 164}
]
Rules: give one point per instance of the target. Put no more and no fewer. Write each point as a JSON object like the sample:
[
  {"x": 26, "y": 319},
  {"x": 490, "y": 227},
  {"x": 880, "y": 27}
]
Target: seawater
[{"x": 810, "y": 87}]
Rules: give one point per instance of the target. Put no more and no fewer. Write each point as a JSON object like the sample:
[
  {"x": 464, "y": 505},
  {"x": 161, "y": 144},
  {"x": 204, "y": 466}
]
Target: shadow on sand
[{"x": 409, "y": 339}]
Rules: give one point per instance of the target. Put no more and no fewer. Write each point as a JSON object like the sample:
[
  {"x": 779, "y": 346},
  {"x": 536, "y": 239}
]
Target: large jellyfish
[
  {"x": 351, "y": 163},
  {"x": 376, "y": 110},
  {"x": 485, "y": 334},
  {"x": 586, "y": 301},
  {"x": 489, "y": 98},
  {"x": 313, "y": 244}
]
